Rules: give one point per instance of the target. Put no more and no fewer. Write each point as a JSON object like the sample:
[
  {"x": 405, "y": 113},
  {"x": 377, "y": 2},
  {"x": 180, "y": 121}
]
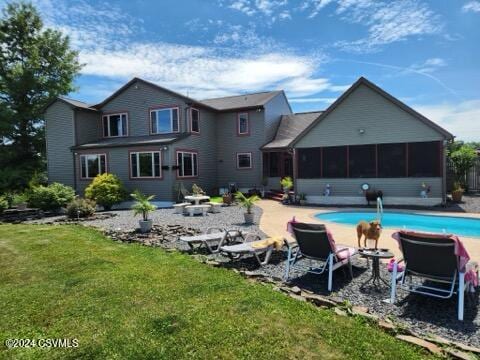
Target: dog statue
[{"x": 371, "y": 230}]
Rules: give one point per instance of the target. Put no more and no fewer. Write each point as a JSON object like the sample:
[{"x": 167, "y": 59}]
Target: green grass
[
  {"x": 129, "y": 301},
  {"x": 216, "y": 199}
]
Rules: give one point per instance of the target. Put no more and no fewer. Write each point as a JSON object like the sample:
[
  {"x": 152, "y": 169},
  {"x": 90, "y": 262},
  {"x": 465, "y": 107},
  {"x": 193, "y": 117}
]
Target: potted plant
[
  {"x": 463, "y": 159},
  {"x": 227, "y": 198},
  {"x": 287, "y": 185},
  {"x": 143, "y": 206},
  {"x": 247, "y": 203},
  {"x": 302, "y": 198},
  {"x": 457, "y": 192}
]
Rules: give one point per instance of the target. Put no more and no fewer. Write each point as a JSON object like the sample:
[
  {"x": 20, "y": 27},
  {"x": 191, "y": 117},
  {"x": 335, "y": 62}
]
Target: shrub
[
  {"x": 106, "y": 190},
  {"x": 81, "y": 208},
  {"x": 51, "y": 197},
  {"x": 287, "y": 183},
  {"x": 463, "y": 160},
  {"x": 3, "y": 204},
  {"x": 21, "y": 198},
  {"x": 142, "y": 206}
]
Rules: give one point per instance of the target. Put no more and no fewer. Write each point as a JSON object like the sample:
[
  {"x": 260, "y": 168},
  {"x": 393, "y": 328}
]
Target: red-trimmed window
[
  {"x": 244, "y": 160},
  {"x": 187, "y": 163},
  {"x": 92, "y": 165},
  {"x": 145, "y": 164},
  {"x": 165, "y": 120},
  {"x": 195, "y": 120},
  {"x": 243, "y": 126},
  {"x": 115, "y": 125}
]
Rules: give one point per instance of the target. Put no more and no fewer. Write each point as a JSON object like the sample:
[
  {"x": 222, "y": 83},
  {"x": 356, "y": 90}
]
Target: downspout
[
  {"x": 74, "y": 156},
  {"x": 444, "y": 173},
  {"x": 294, "y": 164}
]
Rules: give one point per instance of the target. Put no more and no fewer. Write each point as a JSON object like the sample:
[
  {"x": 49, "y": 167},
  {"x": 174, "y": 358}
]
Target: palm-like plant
[
  {"x": 246, "y": 202},
  {"x": 142, "y": 205}
]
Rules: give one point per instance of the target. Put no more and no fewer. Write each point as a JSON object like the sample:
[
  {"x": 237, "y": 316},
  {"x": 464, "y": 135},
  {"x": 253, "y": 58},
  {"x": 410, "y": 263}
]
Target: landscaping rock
[
  {"x": 340, "y": 312},
  {"x": 297, "y": 297},
  {"x": 464, "y": 347},
  {"x": 386, "y": 326},
  {"x": 457, "y": 354},
  {"x": 434, "y": 349},
  {"x": 295, "y": 290},
  {"x": 318, "y": 299}
]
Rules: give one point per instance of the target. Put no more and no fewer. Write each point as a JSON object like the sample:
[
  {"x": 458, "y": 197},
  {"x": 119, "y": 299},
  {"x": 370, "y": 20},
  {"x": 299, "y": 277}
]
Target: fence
[{"x": 473, "y": 177}]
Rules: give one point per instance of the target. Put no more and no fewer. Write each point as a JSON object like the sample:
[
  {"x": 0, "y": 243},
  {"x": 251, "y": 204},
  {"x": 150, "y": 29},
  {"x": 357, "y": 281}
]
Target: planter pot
[
  {"x": 303, "y": 202},
  {"x": 227, "y": 199},
  {"x": 21, "y": 206},
  {"x": 145, "y": 226},
  {"x": 457, "y": 195},
  {"x": 248, "y": 218}
]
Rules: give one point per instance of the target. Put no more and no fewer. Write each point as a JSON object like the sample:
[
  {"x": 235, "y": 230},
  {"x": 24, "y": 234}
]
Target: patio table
[
  {"x": 196, "y": 199},
  {"x": 376, "y": 255}
]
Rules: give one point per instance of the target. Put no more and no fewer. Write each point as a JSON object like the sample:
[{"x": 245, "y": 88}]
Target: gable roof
[
  {"x": 363, "y": 81},
  {"x": 71, "y": 102},
  {"x": 290, "y": 127},
  {"x": 241, "y": 101}
]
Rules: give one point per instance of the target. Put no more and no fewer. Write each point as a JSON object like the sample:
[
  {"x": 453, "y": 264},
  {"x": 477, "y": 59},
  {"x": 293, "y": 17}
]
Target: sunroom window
[
  {"x": 92, "y": 165},
  {"x": 145, "y": 164},
  {"x": 115, "y": 125},
  {"x": 187, "y": 163},
  {"x": 164, "y": 120}
]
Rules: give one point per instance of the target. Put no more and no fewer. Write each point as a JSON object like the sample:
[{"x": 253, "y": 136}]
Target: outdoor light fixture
[{"x": 361, "y": 131}]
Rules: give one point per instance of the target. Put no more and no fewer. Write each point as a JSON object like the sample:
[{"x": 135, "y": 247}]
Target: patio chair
[
  {"x": 253, "y": 245},
  {"x": 317, "y": 245},
  {"x": 434, "y": 260},
  {"x": 212, "y": 239}
]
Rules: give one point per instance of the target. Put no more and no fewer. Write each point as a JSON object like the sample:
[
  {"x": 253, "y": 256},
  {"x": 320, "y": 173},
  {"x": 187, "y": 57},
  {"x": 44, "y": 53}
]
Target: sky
[{"x": 426, "y": 53}]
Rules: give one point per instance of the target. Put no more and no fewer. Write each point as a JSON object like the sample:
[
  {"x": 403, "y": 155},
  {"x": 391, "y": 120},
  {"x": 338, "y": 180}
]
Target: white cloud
[
  {"x": 461, "y": 119},
  {"x": 473, "y": 6},
  {"x": 266, "y": 8},
  {"x": 428, "y": 66},
  {"x": 387, "y": 22},
  {"x": 312, "y": 100}
]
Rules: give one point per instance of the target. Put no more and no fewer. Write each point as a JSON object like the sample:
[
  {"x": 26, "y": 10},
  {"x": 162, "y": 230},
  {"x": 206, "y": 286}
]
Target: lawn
[
  {"x": 216, "y": 199},
  {"x": 130, "y": 301}
]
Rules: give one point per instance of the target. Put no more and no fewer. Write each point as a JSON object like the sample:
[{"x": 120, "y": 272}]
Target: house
[{"x": 154, "y": 138}]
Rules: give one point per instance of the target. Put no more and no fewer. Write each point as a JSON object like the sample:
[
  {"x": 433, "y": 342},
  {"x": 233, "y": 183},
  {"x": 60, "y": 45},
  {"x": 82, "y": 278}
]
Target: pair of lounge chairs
[{"x": 234, "y": 243}]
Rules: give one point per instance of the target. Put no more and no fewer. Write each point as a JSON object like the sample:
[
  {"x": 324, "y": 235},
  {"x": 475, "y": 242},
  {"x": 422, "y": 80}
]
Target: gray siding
[
  {"x": 137, "y": 100},
  {"x": 118, "y": 163},
  {"x": 274, "y": 109},
  {"x": 88, "y": 126},
  {"x": 383, "y": 122},
  {"x": 60, "y": 136},
  {"x": 394, "y": 187},
  {"x": 229, "y": 144},
  {"x": 206, "y": 145}
]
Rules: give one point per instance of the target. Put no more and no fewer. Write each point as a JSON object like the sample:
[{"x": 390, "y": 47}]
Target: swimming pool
[{"x": 434, "y": 223}]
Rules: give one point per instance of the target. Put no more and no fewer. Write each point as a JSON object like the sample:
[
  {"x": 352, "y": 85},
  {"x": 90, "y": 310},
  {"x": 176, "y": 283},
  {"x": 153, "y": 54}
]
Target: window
[
  {"x": 243, "y": 126},
  {"x": 392, "y": 160},
  {"x": 424, "y": 159},
  {"x": 164, "y": 120},
  {"x": 273, "y": 166},
  {"x": 145, "y": 164},
  {"x": 187, "y": 163},
  {"x": 92, "y": 165},
  {"x": 334, "y": 162},
  {"x": 115, "y": 125},
  {"x": 309, "y": 163},
  {"x": 195, "y": 121},
  {"x": 244, "y": 160},
  {"x": 362, "y": 161}
]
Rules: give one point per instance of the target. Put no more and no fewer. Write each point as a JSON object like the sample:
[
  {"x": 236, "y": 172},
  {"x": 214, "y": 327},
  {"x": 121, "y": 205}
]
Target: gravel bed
[{"x": 423, "y": 315}]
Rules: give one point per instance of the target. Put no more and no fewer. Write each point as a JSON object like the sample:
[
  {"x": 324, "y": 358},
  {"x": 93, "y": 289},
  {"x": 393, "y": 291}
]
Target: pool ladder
[{"x": 379, "y": 209}]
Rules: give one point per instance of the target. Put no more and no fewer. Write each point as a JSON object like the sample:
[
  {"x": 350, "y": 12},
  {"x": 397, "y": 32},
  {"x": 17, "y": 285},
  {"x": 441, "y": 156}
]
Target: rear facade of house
[{"x": 155, "y": 140}]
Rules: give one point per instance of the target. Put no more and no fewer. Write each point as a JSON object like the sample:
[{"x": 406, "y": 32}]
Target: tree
[
  {"x": 463, "y": 159},
  {"x": 36, "y": 66}
]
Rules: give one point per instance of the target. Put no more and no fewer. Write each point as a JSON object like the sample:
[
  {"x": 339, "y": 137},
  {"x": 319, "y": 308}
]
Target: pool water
[{"x": 412, "y": 221}]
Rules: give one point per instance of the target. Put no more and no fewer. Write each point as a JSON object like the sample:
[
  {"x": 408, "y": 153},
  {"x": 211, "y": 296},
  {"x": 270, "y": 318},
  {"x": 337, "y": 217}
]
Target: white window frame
[
  {"x": 238, "y": 160},
  {"x": 157, "y": 110},
  {"x": 192, "y": 153},
  {"x": 137, "y": 155},
  {"x": 84, "y": 161},
  {"x": 239, "y": 132},
  {"x": 191, "y": 120},
  {"x": 107, "y": 116}
]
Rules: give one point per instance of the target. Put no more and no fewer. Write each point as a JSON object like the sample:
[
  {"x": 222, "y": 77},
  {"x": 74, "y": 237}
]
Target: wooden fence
[{"x": 473, "y": 176}]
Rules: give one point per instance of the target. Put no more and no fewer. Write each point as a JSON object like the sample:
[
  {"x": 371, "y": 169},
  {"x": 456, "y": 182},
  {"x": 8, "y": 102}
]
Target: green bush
[
  {"x": 3, "y": 204},
  {"x": 21, "y": 198},
  {"x": 106, "y": 190},
  {"x": 51, "y": 197},
  {"x": 81, "y": 208}
]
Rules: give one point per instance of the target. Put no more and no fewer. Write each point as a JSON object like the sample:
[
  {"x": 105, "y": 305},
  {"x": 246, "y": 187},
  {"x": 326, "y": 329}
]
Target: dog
[{"x": 371, "y": 230}]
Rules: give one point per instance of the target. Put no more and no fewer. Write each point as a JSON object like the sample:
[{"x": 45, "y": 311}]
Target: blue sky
[{"x": 426, "y": 53}]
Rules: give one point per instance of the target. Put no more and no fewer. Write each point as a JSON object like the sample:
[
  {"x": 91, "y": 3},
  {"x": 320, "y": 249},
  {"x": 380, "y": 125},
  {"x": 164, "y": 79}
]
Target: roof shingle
[{"x": 241, "y": 101}]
